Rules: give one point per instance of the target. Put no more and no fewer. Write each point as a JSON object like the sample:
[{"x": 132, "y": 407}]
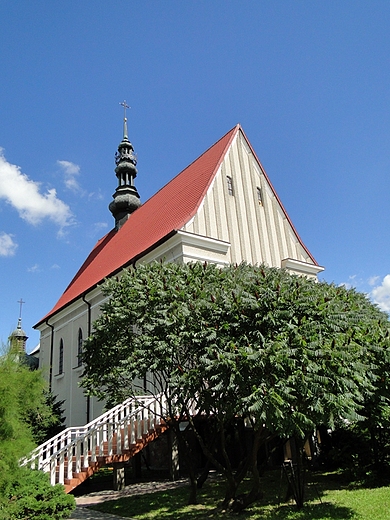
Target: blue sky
[{"x": 308, "y": 81}]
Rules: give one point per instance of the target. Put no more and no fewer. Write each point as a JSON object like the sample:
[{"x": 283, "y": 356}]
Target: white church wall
[{"x": 65, "y": 383}]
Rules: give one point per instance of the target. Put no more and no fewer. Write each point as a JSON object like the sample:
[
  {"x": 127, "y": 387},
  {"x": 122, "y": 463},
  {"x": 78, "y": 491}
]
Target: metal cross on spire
[
  {"x": 20, "y": 307},
  {"x": 124, "y": 105}
]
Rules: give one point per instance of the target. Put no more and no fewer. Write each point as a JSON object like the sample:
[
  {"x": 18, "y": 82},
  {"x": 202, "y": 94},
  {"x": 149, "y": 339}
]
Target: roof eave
[{"x": 130, "y": 262}]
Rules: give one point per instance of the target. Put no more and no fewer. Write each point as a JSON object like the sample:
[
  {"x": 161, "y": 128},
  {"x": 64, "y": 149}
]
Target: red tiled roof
[
  {"x": 168, "y": 210},
  {"x": 155, "y": 220}
]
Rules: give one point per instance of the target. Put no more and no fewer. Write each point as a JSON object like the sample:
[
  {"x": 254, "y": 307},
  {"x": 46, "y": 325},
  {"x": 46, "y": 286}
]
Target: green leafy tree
[
  {"x": 281, "y": 351},
  {"x": 22, "y": 394},
  {"x": 45, "y": 426},
  {"x": 363, "y": 448}
]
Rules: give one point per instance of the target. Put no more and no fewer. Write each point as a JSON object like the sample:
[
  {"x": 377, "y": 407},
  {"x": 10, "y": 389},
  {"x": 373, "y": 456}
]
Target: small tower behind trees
[{"x": 18, "y": 337}]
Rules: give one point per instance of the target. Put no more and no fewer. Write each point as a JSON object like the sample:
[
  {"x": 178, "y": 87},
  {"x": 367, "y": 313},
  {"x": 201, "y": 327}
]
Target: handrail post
[
  {"x": 139, "y": 425},
  {"x": 119, "y": 438},
  {"x": 86, "y": 439},
  {"x": 61, "y": 468},
  {"x": 100, "y": 432},
  {"x": 126, "y": 434},
  {"x": 52, "y": 471},
  {"x": 133, "y": 425},
  {"x": 69, "y": 456},
  {"x": 93, "y": 445},
  {"x": 78, "y": 456},
  {"x": 109, "y": 439}
]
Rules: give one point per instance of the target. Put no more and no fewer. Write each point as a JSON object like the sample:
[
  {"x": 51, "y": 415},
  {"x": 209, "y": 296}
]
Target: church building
[{"x": 222, "y": 208}]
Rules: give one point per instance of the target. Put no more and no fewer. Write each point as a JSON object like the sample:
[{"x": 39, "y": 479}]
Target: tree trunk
[
  {"x": 193, "y": 496},
  {"x": 243, "y": 501},
  {"x": 230, "y": 493},
  {"x": 203, "y": 476},
  {"x": 295, "y": 474},
  {"x": 186, "y": 452}
]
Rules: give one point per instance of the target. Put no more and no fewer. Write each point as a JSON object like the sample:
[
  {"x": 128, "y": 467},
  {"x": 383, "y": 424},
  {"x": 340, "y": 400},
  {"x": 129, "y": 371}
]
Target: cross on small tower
[{"x": 20, "y": 307}]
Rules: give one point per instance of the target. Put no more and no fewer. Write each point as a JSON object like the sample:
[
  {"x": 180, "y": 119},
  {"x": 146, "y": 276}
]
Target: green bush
[
  {"x": 31, "y": 496},
  {"x": 24, "y": 493}
]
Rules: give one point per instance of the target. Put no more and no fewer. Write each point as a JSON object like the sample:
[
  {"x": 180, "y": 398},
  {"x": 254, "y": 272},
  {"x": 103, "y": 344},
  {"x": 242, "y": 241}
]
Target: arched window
[
  {"x": 61, "y": 358},
  {"x": 79, "y": 348}
]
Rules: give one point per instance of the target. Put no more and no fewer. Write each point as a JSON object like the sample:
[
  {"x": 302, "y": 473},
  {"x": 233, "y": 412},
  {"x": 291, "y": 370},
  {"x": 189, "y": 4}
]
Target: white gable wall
[{"x": 258, "y": 232}]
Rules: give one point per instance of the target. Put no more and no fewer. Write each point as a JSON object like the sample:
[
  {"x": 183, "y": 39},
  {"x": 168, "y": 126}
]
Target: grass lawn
[{"x": 338, "y": 501}]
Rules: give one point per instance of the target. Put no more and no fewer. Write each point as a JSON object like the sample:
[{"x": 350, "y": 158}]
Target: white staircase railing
[{"x": 76, "y": 448}]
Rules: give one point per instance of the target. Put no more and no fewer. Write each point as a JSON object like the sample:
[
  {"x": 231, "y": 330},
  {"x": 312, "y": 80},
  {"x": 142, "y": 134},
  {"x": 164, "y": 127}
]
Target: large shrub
[
  {"x": 24, "y": 493},
  {"x": 31, "y": 496},
  {"x": 278, "y": 350}
]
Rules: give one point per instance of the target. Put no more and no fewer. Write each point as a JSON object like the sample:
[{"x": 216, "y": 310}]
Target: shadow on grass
[
  {"x": 323, "y": 511},
  {"x": 344, "y": 480},
  {"x": 128, "y": 507},
  {"x": 172, "y": 505}
]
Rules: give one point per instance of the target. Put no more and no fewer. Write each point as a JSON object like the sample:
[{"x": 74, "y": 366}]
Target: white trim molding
[
  {"x": 189, "y": 245},
  {"x": 298, "y": 267}
]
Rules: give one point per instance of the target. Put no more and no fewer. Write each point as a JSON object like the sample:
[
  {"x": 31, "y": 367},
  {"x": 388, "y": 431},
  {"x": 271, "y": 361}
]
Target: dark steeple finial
[{"x": 126, "y": 198}]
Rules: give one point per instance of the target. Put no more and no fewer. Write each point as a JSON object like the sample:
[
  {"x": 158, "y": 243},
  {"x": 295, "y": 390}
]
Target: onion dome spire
[{"x": 126, "y": 197}]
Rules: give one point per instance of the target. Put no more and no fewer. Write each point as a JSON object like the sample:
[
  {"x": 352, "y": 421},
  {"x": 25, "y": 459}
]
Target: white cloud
[
  {"x": 95, "y": 195},
  {"x": 71, "y": 171},
  {"x": 25, "y": 196},
  {"x": 372, "y": 281},
  {"x": 352, "y": 282},
  {"x": 98, "y": 227},
  {"x": 7, "y": 245},
  {"x": 34, "y": 269},
  {"x": 381, "y": 294}
]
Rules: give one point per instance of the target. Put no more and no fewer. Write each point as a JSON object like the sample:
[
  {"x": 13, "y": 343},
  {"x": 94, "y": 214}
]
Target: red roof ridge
[
  {"x": 100, "y": 244},
  {"x": 233, "y": 130},
  {"x": 154, "y": 220}
]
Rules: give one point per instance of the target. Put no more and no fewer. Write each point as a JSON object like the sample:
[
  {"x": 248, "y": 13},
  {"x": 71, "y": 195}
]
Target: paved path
[{"x": 82, "y": 512}]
